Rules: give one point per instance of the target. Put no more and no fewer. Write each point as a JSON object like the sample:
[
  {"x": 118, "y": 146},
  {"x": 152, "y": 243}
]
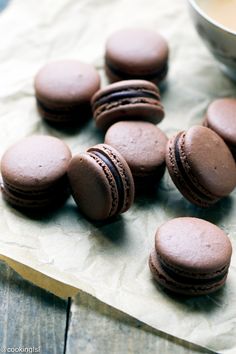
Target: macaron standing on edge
[
  {"x": 191, "y": 256},
  {"x": 63, "y": 91},
  {"x": 136, "y": 53},
  {"x": 221, "y": 117},
  {"x": 143, "y": 145},
  {"x": 34, "y": 173},
  {"x": 101, "y": 182},
  {"x": 201, "y": 165},
  {"x": 127, "y": 100}
]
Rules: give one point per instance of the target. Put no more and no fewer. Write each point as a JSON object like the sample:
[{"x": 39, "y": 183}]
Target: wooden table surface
[
  {"x": 34, "y": 320},
  {"x": 30, "y": 317}
]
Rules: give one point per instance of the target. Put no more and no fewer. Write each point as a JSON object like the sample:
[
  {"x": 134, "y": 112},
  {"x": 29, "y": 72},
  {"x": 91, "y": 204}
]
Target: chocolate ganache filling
[
  {"x": 125, "y": 94},
  {"x": 190, "y": 280},
  {"x": 117, "y": 178}
]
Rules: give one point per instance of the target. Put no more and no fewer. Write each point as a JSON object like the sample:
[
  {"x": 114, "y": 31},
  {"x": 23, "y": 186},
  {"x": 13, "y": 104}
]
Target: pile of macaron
[{"x": 39, "y": 173}]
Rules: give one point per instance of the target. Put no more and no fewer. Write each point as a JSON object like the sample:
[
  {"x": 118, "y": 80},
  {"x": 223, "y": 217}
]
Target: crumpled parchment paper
[{"x": 109, "y": 261}]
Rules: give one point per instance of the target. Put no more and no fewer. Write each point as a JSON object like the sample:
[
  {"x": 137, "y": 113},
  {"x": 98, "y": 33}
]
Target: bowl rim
[{"x": 198, "y": 8}]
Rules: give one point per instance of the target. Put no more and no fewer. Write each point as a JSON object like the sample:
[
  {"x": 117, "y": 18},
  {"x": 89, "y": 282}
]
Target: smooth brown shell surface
[
  {"x": 137, "y": 52},
  {"x": 35, "y": 163},
  {"x": 193, "y": 247},
  {"x": 66, "y": 83},
  {"x": 142, "y": 144},
  {"x": 94, "y": 184},
  {"x": 210, "y": 160}
]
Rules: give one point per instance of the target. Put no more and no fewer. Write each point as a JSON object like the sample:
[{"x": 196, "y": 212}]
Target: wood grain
[
  {"x": 30, "y": 316},
  {"x": 97, "y": 328}
]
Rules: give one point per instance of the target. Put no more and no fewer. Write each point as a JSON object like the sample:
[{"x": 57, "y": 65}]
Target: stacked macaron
[
  {"x": 63, "y": 90},
  {"x": 136, "y": 53},
  {"x": 191, "y": 256},
  {"x": 34, "y": 173}
]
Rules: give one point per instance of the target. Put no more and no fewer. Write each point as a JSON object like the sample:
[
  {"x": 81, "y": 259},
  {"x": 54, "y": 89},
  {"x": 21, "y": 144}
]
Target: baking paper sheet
[{"x": 109, "y": 260}]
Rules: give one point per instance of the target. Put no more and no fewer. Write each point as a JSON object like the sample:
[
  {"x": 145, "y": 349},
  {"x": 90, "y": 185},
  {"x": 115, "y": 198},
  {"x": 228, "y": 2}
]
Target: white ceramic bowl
[{"x": 220, "y": 40}]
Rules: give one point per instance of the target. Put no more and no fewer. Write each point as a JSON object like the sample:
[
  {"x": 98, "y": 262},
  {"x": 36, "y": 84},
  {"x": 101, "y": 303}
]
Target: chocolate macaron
[
  {"x": 63, "y": 91},
  {"x": 201, "y": 165},
  {"x": 143, "y": 146},
  {"x": 191, "y": 256},
  {"x": 136, "y": 53},
  {"x": 221, "y": 117},
  {"x": 127, "y": 100},
  {"x": 101, "y": 182},
  {"x": 34, "y": 173}
]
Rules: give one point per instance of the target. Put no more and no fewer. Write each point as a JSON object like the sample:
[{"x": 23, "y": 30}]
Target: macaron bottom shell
[
  {"x": 115, "y": 74},
  {"x": 63, "y": 117},
  {"x": 138, "y": 111},
  {"x": 36, "y": 200},
  {"x": 194, "y": 288}
]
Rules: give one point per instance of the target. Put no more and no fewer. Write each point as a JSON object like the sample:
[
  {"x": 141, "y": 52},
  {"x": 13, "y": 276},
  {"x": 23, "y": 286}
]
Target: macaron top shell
[
  {"x": 142, "y": 144},
  {"x": 209, "y": 160},
  {"x": 193, "y": 245},
  {"x": 66, "y": 82},
  {"x": 136, "y": 50},
  {"x": 90, "y": 189},
  {"x": 35, "y": 163},
  {"x": 221, "y": 117}
]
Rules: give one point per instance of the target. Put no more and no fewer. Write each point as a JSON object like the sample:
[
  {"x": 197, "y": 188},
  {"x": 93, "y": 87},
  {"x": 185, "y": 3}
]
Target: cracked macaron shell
[
  {"x": 94, "y": 178},
  {"x": 206, "y": 171},
  {"x": 127, "y": 100}
]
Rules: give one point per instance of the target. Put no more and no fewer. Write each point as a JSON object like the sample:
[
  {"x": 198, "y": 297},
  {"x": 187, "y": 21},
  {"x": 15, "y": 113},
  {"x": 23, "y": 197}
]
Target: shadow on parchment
[
  {"x": 112, "y": 230},
  {"x": 149, "y": 195},
  {"x": 45, "y": 214},
  {"x": 181, "y": 207},
  {"x": 67, "y": 129},
  {"x": 199, "y": 303}
]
